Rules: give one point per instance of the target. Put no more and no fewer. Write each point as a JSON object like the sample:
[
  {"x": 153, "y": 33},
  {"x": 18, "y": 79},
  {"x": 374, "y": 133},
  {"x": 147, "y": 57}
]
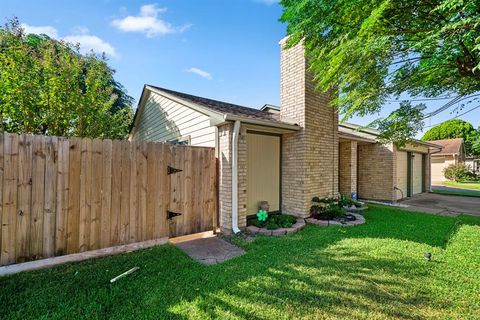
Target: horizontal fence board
[{"x": 62, "y": 196}]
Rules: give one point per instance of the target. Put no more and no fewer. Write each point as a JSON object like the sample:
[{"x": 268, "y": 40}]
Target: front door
[{"x": 263, "y": 171}]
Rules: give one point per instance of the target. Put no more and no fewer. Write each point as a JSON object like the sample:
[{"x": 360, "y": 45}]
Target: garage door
[
  {"x": 401, "y": 175},
  {"x": 417, "y": 173},
  {"x": 263, "y": 171},
  {"x": 438, "y": 164}
]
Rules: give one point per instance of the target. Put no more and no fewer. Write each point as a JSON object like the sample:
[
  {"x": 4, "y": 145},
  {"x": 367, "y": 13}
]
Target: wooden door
[
  {"x": 263, "y": 171},
  {"x": 192, "y": 190}
]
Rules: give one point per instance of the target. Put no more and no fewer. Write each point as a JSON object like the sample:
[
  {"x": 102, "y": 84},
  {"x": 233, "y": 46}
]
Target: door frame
[
  {"x": 280, "y": 159},
  {"x": 409, "y": 173},
  {"x": 424, "y": 169}
]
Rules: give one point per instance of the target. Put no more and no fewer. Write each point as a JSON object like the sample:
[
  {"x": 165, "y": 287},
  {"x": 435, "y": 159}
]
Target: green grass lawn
[
  {"x": 470, "y": 189},
  {"x": 373, "y": 271},
  {"x": 467, "y": 193},
  {"x": 463, "y": 185}
]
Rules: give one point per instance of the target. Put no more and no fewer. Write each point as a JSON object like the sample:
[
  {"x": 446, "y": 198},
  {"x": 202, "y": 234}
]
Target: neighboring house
[
  {"x": 452, "y": 153},
  {"x": 284, "y": 155},
  {"x": 474, "y": 163}
]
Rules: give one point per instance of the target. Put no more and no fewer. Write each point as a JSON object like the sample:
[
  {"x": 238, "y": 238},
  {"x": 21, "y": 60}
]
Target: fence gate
[
  {"x": 192, "y": 180},
  {"x": 60, "y": 196}
]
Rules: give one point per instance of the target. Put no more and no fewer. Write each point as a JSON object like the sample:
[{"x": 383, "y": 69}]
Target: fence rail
[{"x": 60, "y": 196}]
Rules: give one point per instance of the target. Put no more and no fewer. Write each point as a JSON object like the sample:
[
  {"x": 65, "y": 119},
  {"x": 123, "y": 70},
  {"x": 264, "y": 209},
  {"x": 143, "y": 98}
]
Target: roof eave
[
  {"x": 217, "y": 116},
  {"x": 138, "y": 110},
  {"x": 355, "y": 138},
  {"x": 260, "y": 122},
  {"x": 428, "y": 144}
]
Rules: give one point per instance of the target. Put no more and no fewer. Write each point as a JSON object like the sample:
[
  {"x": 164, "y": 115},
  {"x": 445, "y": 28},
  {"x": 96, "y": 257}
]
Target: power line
[
  {"x": 442, "y": 108},
  {"x": 457, "y": 116},
  {"x": 423, "y": 99}
]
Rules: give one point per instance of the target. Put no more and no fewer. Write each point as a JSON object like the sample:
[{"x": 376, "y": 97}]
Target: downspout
[{"x": 236, "y": 129}]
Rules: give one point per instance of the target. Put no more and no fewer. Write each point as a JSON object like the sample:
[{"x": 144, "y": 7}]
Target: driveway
[{"x": 443, "y": 204}]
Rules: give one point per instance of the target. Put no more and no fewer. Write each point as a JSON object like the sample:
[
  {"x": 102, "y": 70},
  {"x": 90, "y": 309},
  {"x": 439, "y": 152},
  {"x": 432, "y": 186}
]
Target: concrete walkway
[
  {"x": 211, "y": 250},
  {"x": 443, "y": 204}
]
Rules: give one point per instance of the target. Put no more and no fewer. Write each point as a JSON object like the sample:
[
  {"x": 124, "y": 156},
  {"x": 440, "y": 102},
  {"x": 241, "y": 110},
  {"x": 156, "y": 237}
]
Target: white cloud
[
  {"x": 48, "y": 30},
  {"x": 90, "y": 42},
  {"x": 200, "y": 72},
  {"x": 79, "y": 35},
  {"x": 267, "y": 2},
  {"x": 148, "y": 22}
]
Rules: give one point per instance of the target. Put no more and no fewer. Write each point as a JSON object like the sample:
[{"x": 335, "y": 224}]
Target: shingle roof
[
  {"x": 225, "y": 107},
  {"x": 450, "y": 146}
]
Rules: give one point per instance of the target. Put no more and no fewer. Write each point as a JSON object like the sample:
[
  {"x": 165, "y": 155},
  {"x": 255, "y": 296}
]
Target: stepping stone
[{"x": 209, "y": 250}]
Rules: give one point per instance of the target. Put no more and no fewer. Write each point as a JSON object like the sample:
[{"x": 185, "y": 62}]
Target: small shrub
[
  {"x": 459, "y": 172},
  {"x": 271, "y": 225},
  {"x": 332, "y": 207},
  {"x": 274, "y": 221},
  {"x": 285, "y": 220},
  {"x": 347, "y": 202},
  {"x": 328, "y": 212}
]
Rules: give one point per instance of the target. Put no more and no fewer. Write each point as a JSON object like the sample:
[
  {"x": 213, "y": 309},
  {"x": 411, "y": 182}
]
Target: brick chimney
[{"x": 309, "y": 156}]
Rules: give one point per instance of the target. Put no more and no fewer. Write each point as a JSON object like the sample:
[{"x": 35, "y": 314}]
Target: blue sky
[{"x": 222, "y": 49}]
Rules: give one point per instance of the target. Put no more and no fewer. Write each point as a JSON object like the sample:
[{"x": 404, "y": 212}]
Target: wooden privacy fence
[{"x": 60, "y": 196}]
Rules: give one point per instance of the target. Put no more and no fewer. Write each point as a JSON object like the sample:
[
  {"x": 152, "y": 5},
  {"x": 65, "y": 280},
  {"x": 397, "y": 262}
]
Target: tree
[
  {"x": 455, "y": 129},
  {"x": 48, "y": 87},
  {"x": 375, "y": 50},
  {"x": 476, "y": 145}
]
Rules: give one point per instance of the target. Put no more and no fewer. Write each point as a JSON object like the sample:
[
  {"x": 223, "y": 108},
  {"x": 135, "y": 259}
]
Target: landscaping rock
[
  {"x": 355, "y": 209},
  {"x": 318, "y": 222},
  {"x": 253, "y": 229},
  {"x": 300, "y": 224},
  {"x": 265, "y": 232},
  {"x": 290, "y": 230},
  {"x": 278, "y": 232},
  {"x": 326, "y": 223}
]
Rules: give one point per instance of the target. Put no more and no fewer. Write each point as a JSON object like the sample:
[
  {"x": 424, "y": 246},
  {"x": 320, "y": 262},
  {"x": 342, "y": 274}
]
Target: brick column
[
  {"x": 309, "y": 156},
  {"x": 225, "y": 133},
  {"x": 347, "y": 182}
]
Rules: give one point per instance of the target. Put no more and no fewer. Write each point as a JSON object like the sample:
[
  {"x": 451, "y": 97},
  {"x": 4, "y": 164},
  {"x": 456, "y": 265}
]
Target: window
[{"x": 182, "y": 141}]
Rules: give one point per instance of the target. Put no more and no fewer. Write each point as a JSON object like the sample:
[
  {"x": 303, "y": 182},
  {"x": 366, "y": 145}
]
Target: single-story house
[
  {"x": 474, "y": 163},
  {"x": 453, "y": 152},
  {"x": 284, "y": 155}
]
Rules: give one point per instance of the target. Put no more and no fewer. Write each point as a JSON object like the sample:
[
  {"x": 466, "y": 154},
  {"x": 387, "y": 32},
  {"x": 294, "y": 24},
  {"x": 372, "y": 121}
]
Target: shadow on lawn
[{"x": 376, "y": 270}]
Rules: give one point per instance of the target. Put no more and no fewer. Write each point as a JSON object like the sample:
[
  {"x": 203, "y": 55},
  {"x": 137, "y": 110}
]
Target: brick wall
[
  {"x": 225, "y": 177},
  {"x": 347, "y": 167},
  {"x": 376, "y": 171},
  {"x": 309, "y": 156},
  {"x": 242, "y": 178}
]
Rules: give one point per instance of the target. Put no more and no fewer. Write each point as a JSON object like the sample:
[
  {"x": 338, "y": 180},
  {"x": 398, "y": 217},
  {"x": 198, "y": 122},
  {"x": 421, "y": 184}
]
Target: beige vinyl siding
[
  {"x": 417, "y": 173},
  {"x": 402, "y": 175},
  {"x": 165, "y": 120},
  {"x": 263, "y": 171}
]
